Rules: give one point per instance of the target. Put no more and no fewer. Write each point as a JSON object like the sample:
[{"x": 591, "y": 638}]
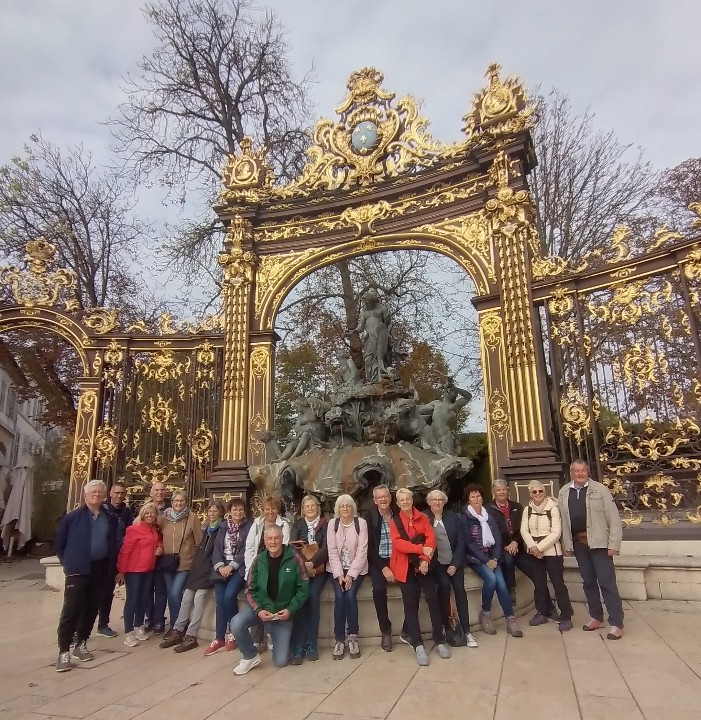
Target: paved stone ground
[{"x": 654, "y": 672}]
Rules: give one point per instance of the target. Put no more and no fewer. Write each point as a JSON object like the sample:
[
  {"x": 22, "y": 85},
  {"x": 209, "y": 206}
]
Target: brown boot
[
  {"x": 189, "y": 643},
  {"x": 175, "y": 638}
]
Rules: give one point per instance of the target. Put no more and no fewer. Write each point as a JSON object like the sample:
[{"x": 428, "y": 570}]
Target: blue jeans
[
  {"x": 280, "y": 632},
  {"x": 345, "y": 608},
  {"x": 175, "y": 587},
  {"x": 226, "y": 596},
  {"x": 305, "y": 626},
  {"x": 138, "y": 588},
  {"x": 493, "y": 580}
]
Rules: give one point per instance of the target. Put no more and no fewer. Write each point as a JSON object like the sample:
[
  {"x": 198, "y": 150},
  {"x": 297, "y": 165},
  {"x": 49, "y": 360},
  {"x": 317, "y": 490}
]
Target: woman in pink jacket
[
  {"x": 347, "y": 542},
  {"x": 135, "y": 564}
]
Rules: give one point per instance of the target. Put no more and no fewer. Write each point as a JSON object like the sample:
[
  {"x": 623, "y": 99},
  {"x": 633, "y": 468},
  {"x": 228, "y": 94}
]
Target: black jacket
[
  {"x": 72, "y": 543},
  {"x": 299, "y": 532},
  {"x": 476, "y": 553},
  {"x": 199, "y": 576},
  {"x": 124, "y": 515},
  {"x": 218, "y": 554},
  {"x": 515, "y": 514},
  {"x": 456, "y": 537},
  {"x": 374, "y": 521}
]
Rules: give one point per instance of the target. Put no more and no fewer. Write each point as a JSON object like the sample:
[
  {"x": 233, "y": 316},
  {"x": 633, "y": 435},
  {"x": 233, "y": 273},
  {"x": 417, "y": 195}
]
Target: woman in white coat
[{"x": 541, "y": 528}]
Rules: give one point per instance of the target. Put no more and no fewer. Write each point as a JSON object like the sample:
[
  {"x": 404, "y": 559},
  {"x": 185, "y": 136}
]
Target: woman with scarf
[
  {"x": 228, "y": 562},
  {"x": 181, "y": 532},
  {"x": 199, "y": 582},
  {"x": 310, "y": 529},
  {"x": 484, "y": 556}
]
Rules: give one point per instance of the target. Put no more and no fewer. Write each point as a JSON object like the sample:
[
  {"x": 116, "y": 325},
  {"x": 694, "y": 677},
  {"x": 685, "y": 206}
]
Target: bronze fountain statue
[{"x": 371, "y": 431}]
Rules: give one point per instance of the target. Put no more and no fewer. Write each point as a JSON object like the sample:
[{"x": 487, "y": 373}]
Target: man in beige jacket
[{"x": 592, "y": 532}]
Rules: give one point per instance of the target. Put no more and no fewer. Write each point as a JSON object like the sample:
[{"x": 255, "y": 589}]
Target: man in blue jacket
[{"x": 86, "y": 545}]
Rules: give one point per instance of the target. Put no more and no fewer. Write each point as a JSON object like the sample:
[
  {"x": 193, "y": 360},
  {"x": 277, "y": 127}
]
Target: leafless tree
[
  {"x": 219, "y": 73},
  {"x": 587, "y": 181},
  {"x": 679, "y": 187},
  {"x": 85, "y": 211}
]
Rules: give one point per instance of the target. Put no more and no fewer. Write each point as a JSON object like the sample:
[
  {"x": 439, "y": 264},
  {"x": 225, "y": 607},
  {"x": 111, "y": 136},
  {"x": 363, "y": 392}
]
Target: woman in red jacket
[
  {"x": 135, "y": 564},
  {"x": 413, "y": 548}
]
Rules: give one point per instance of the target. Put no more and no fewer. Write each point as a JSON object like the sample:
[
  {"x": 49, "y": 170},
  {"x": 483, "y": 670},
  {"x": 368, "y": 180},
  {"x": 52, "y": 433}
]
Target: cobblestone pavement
[{"x": 654, "y": 672}]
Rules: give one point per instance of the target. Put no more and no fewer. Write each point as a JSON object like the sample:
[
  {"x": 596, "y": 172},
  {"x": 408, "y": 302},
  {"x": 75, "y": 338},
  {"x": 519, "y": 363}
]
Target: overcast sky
[{"x": 634, "y": 62}]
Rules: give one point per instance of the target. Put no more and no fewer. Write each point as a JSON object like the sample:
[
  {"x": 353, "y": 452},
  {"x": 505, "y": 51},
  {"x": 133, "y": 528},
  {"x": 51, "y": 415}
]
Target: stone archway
[{"x": 392, "y": 188}]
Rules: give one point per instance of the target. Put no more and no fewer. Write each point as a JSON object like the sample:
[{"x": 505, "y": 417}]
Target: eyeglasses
[{"x": 537, "y": 492}]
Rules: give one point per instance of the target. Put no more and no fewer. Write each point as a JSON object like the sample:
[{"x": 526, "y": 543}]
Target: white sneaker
[
  {"x": 141, "y": 633},
  {"x": 130, "y": 640},
  {"x": 421, "y": 657},
  {"x": 270, "y": 643},
  {"x": 471, "y": 642},
  {"x": 247, "y": 665}
]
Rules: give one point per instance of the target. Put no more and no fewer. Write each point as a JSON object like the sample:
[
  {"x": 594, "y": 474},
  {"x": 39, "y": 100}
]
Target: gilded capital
[{"x": 237, "y": 264}]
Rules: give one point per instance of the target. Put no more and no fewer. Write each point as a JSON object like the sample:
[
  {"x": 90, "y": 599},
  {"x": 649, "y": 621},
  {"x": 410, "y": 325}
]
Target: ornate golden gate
[{"x": 556, "y": 341}]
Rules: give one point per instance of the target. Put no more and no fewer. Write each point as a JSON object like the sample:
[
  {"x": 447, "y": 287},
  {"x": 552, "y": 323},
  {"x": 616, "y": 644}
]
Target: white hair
[
  {"x": 437, "y": 494},
  {"x": 536, "y": 485},
  {"x": 344, "y": 500},
  {"x": 94, "y": 484},
  {"x": 404, "y": 491}
]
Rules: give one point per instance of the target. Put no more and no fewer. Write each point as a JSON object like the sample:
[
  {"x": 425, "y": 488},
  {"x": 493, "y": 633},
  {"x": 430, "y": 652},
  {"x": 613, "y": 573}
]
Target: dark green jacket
[{"x": 293, "y": 583}]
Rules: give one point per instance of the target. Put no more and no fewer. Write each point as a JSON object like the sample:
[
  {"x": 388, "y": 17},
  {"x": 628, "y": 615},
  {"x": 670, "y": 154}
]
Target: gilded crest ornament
[
  {"x": 375, "y": 139},
  {"x": 245, "y": 176},
  {"x": 38, "y": 285},
  {"x": 499, "y": 110}
]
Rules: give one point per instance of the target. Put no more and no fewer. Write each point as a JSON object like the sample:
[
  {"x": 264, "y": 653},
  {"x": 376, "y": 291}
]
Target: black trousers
[
  {"x": 550, "y": 566},
  {"x": 521, "y": 560},
  {"x": 599, "y": 578},
  {"x": 415, "y": 584},
  {"x": 81, "y": 602},
  {"x": 456, "y": 583},
  {"x": 103, "y": 618},
  {"x": 379, "y": 598}
]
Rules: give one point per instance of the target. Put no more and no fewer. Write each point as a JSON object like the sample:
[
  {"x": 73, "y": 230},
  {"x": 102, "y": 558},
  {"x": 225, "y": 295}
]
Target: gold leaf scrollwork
[
  {"x": 237, "y": 264},
  {"x": 162, "y": 366},
  {"x": 575, "y": 414},
  {"x": 106, "y": 444},
  {"x": 639, "y": 367},
  {"x": 498, "y": 413},
  {"x": 365, "y": 216},
  {"x": 201, "y": 444},
  {"x": 38, "y": 285},
  {"x": 259, "y": 361},
  {"x": 101, "y": 320},
  {"x": 159, "y": 414},
  {"x": 653, "y": 442},
  {"x": 561, "y": 302},
  {"x": 204, "y": 354},
  {"x": 490, "y": 324},
  {"x": 246, "y": 176}
]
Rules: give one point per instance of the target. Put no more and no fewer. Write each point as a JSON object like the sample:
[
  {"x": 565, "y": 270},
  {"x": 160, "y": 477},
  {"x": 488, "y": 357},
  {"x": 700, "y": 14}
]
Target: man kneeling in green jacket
[{"x": 277, "y": 587}]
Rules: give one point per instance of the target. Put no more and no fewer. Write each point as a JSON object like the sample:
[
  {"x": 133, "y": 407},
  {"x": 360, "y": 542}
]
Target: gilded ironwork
[
  {"x": 40, "y": 284},
  {"x": 575, "y": 414},
  {"x": 656, "y": 440},
  {"x": 501, "y": 110},
  {"x": 201, "y": 444},
  {"x": 106, "y": 443},
  {"x": 101, "y": 320},
  {"x": 499, "y": 418}
]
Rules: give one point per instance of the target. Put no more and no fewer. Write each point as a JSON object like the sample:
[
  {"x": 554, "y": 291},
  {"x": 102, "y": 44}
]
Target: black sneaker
[
  {"x": 106, "y": 632},
  {"x": 158, "y": 629},
  {"x": 297, "y": 656},
  {"x": 404, "y": 637}
]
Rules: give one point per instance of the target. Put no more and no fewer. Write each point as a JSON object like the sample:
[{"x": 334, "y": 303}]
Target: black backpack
[{"x": 356, "y": 522}]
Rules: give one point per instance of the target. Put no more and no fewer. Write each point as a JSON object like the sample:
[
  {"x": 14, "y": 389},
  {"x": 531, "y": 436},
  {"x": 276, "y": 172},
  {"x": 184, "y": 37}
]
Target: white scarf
[
  {"x": 487, "y": 535},
  {"x": 311, "y": 529}
]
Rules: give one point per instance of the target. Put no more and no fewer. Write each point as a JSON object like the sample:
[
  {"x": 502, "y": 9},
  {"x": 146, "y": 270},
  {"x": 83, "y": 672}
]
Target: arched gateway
[
  {"x": 374, "y": 181},
  {"x": 600, "y": 360}
]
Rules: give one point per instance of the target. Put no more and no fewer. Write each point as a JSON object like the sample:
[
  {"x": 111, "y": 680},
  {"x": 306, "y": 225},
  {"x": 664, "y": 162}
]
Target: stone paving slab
[{"x": 653, "y": 673}]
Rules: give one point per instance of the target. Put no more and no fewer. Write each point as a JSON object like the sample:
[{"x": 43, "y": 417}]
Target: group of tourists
[{"x": 169, "y": 562}]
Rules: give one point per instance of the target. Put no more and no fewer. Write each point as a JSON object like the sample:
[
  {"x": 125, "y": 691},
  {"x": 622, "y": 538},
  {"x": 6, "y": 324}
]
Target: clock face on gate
[{"x": 364, "y": 137}]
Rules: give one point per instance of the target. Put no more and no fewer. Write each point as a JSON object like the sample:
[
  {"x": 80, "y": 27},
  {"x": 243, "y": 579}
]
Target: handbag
[
  {"x": 217, "y": 577},
  {"x": 169, "y": 561},
  {"x": 307, "y": 551}
]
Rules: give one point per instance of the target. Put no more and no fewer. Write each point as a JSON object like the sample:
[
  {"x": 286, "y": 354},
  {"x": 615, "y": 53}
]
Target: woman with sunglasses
[{"x": 541, "y": 529}]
